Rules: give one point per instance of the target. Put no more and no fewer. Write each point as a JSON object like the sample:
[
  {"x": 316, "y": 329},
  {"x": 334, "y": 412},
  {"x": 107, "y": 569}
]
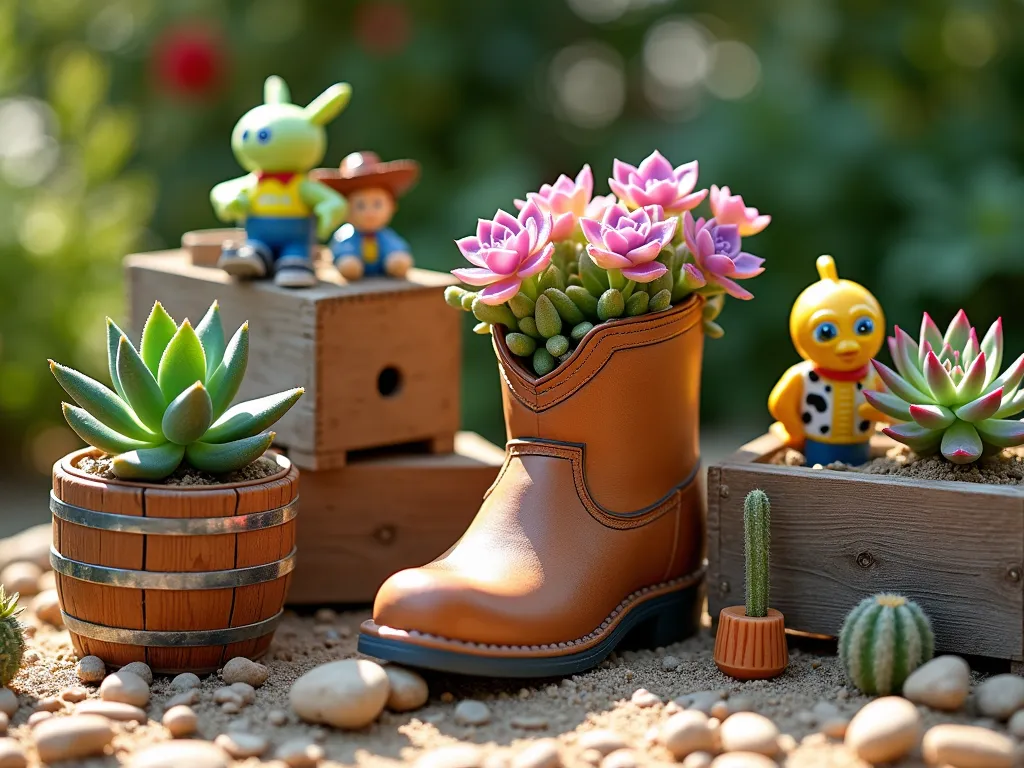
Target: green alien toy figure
[{"x": 283, "y": 210}]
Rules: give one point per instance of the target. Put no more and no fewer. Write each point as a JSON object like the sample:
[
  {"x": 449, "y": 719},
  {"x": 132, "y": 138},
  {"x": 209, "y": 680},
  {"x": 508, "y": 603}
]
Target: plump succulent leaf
[
  {"x": 251, "y": 417},
  {"x": 99, "y": 401},
  {"x": 183, "y": 362},
  {"x": 98, "y": 434},
  {"x": 932, "y": 416},
  {"x": 226, "y": 380},
  {"x": 148, "y": 463},
  {"x": 1011, "y": 406},
  {"x": 992, "y": 346},
  {"x": 211, "y": 334},
  {"x": 227, "y": 457},
  {"x": 188, "y": 416},
  {"x": 905, "y": 355},
  {"x": 961, "y": 443},
  {"x": 889, "y": 404},
  {"x": 594, "y": 279},
  {"x": 156, "y": 335},
  {"x": 114, "y": 335},
  {"x": 920, "y": 439},
  {"x": 1001, "y": 433},
  {"x": 940, "y": 385},
  {"x": 1010, "y": 379},
  {"x": 900, "y": 386},
  {"x": 959, "y": 331},
  {"x": 973, "y": 382},
  {"x": 985, "y": 407},
  {"x": 140, "y": 387}
]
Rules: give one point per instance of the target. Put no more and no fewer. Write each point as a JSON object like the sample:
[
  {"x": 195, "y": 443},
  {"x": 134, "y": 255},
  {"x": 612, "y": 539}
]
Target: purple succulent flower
[
  {"x": 630, "y": 242},
  {"x": 656, "y": 182},
  {"x": 506, "y": 251},
  {"x": 716, "y": 249},
  {"x": 567, "y": 201}
]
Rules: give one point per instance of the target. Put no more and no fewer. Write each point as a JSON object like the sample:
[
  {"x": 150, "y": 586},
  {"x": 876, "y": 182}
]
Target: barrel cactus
[
  {"x": 170, "y": 400},
  {"x": 757, "y": 521},
  {"x": 571, "y": 260},
  {"x": 947, "y": 394},
  {"x": 883, "y": 640},
  {"x": 12, "y": 637}
]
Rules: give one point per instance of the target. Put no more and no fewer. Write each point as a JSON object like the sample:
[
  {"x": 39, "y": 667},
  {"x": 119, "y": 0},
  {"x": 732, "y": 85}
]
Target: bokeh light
[
  {"x": 28, "y": 152},
  {"x": 735, "y": 70},
  {"x": 968, "y": 37},
  {"x": 589, "y": 83}
]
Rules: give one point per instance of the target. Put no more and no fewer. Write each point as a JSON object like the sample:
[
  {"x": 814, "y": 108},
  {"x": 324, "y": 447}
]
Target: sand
[
  {"x": 562, "y": 709},
  {"x": 186, "y": 474}
]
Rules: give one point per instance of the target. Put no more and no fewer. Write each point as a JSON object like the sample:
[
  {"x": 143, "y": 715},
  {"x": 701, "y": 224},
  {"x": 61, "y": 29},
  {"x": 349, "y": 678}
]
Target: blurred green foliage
[{"x": 887, "y": 134}]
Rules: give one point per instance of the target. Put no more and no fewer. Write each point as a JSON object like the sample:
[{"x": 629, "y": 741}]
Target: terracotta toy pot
[
  {"x": 181, "y": 577},
  {"x": 751, "y": 647}
]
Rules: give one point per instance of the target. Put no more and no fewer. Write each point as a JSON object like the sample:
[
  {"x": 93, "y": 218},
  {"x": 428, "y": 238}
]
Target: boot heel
[{"x": 677, "y": 618}]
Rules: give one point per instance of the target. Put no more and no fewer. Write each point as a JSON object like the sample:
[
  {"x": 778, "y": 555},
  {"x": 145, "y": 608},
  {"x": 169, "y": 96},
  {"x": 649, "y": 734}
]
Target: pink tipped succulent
[
  {"x": 505, "y": 251},
  {"x": 656, "y": 182},
  {"x": 630, "y": 242},
  {"x": 728, "y": 208},
  {"x": 568, "y": 201},
  {"x": 948, "y": 394},
  {"x": 716, "y": 250}
]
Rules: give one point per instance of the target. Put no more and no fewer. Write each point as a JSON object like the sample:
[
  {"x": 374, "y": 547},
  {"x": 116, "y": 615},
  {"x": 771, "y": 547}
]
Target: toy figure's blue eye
[
  {"x": 864, "y": 326},
  {"x": 826, "y": 332},
  {"x": 245, "y": 135},
  {"x": 263, "y": 135}
]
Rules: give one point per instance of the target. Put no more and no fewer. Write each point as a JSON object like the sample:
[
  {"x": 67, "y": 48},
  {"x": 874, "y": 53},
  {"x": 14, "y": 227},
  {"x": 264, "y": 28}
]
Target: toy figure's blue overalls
[
  {"x": 372, "y": 247},
  {"x": 280, "y": 227}
]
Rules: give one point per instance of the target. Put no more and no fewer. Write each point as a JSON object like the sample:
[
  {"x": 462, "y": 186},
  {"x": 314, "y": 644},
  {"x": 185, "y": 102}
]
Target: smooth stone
[
  {"x": 670, "y": 663},
  {"x": 243, "y": 670},
  {"x": 300, "y": 753},
  {"x": 1000, "y": 696},
  {"x": 743, "y": 760},
  {"x": 176, "y": 754},
  {"x": 139, "y": 668},
  {"x": 186, "y": 681},
  {"x": 687, "y": 732},
  {"x": 242, "y": 745},
  {"x": 620, "y": 758},
  {"x": 884, "y": 730},
  {"x": 12, "y": 755},
  {"x": 967, "y": 746},
  {"x": 8, "y": 702},
  {"x": 472, "y": 712},
  {"x": 5, "y": 723},
  {"x": 91, "y": 669},
  {"x": 702, "y": 701},
  {"x": 75, "y": 694},
  {"x": 698, "y": 760},
  {"x": 31, "y": 545},
  {"x": 720, "y": 710},
  {"x": 188, "y": 698},
  {"x": 455, "y": 756},
  {"x": 112, "y": 710},
  {"x": 227, "y": 695},
  {"x": 46, "y": 606},
  {"x": 50, "y": 704},
  {"x": 180, "y": 721},
  {"x": 126, "y": 687},
  {"x": 644, "y": 698},
  {"x": 277, "y": 717},
  {"x": 47, "y": 580},
  {"x": 346, "y": 694},
  {"x": 540, "y": 754},
  {"x": 408, "y": 690},
  {"x": 835, "y": 728},
  {"x": 68, "y": 738},
  {"x": 942, "y": 683},
  {"x": 529, "y": 722},
  {"x": 1016, "y": 725},
  {"x": 244, "y": 691},
  {"x": 37, "y": 717},
  {"x": 22, "y": 578},
  {"x": 749, "y": 732},
  {"x": 603, "y": 741}
]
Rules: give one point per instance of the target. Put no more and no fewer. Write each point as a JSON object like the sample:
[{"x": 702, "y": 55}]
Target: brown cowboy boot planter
[{"x": 594, "y": 529}]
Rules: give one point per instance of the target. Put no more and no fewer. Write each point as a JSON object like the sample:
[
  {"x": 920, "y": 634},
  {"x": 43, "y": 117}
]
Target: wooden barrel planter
[{"x": 180, "y": 577}]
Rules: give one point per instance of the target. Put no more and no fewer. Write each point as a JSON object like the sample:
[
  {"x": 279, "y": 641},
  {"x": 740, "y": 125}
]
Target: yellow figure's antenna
[{"x": 827, "y": 268}]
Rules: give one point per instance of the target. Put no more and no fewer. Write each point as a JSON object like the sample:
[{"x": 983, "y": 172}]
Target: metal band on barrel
[
  {"x": 172, "y": 526},
  {"x": 173, "y": 580},
  {"x": 164, "y": 638}
]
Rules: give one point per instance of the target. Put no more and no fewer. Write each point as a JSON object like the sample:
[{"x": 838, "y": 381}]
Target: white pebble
[
  {"x": 8, "y": 702},
  {"x": 242, "y": 745},
  {"x": 112, "y": 710},
  {"x": 22, "y": 578},
  {"x": 698, "y": 760},
  {"x": 46, "y": 606},
  {"x": 540, "y": 754},
  {"x": 408, "y": 689},
  {"x": 967, "y": 746},
  {"x": 74, "y": 694},
  {"x": 186, "y": 681},
  {"x": 176, "y": 754},
  {"x": 885, "y": 730},
  {"x": 180, "y": 721},
  {"x": 455, "y": 756},
  {"x": 743, "y": 760},
  {"x": 472, "y": 712},
  {"x": 687, "y": 732},
  {"x": 188, "y": 698},
  {"x": 346, "y": 694},
  {"x": 141, "y": 669},
  {"x": 227, "y": 695},
  {"x": 126, "y": 687},
  {"x": 12, "y": 755},
  {"x": 750, "y": 732},
  {"x": 69, "y": 738},
  {"x": 91, "y": 669},
  {"x": 942, "y": 683},
  {"x": 243, "y": 670},
  {"x": 604, "y": 741},
  {"x": 644, "y": 698},
  {"x": 1000, "y": 696},
  {"x": 245, "y": 692},
  {"x": 300, "y": 753},
  {"x": 277, "y": 717}
]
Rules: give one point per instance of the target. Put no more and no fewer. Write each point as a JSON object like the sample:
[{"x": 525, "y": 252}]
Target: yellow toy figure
[{"x": 837, "y": 326}]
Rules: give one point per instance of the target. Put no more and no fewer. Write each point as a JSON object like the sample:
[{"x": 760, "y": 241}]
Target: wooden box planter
[
  {"x": 955, "y": 548},
  {"x": 382, "y": 513},
  {"x": 380, "y": 359},
  {"x": 181, "y": 577}
]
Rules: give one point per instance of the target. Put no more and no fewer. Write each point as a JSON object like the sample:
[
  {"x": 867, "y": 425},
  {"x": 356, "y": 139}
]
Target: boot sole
[{"x": 653, "y": 623}]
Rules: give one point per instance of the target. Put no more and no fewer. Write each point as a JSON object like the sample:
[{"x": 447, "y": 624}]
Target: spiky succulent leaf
[
  {"x": 99, "y": 401},
  {"x": 148, "y": 463},
  {"x": 183, "y": 362},
  {"x": 958, "y": 332},
  {"x": 900, "y": 386},
  {"x": 973, "y": 382},
  {"x": 961, "y": 443},
  {"x": 211, "y": 335},
  {"x": 940, "y": 385},
  {"x": 12, "y": 637},
  {"x": 1010, "y": 379},
  {"x": 1001, "y": 433},
  {"x": 114, "y": 335},
  {"x": 98, "y": 434},
  {"x": 971, "y": 349},
  {"x": 156, "y": 335},
  {"x": 1011, "y": 406},
  {"x": 188, "y": 416},
  {"x": 992, "y": 346},
  {"x": 253, "y": 416},
  {"x": 889, "y": 404},
  {"x": 226, "y": 380},
  {"x": 920, "y": 439},
  {"x": 931, "y": 336},
  {"x": 985, "y": 407},
  {"x": 140, "y": 387},
  {"x": 227, "y": 457},
  {"x": 932, "y": 416},
  {"x": 904, "y": 352}
]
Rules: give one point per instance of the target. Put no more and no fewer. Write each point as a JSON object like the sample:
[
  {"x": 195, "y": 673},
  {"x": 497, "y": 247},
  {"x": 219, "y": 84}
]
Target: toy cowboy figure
[{"x": 366, "y": 245}]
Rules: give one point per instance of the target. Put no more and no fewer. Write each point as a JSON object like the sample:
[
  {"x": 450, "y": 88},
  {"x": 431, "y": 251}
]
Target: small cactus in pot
[
  {"x": 751, "y": 639},
  {"x": 12, "y": 637},
  {"x": 884, "y": 638}
]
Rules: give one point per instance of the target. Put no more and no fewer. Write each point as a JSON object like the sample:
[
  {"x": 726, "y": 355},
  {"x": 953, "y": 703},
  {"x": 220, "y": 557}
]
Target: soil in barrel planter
[{"x": 186, "y": 475}]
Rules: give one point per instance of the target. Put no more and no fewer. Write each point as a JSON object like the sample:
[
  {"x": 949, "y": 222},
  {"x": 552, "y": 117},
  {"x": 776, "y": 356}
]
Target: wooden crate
[
  {"x": 379, "y": 358},
  {"x": 382, "y": 513},
  {"x": 837, "y": 537},
  {"x": 203, "y": 246}
]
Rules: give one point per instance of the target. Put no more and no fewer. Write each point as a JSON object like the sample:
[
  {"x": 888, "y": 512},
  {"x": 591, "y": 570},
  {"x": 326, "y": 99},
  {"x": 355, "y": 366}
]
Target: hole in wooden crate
[{"x": 389, "y": 381}]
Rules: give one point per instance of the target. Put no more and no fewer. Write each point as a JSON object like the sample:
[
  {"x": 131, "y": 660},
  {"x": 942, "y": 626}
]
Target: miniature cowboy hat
[{"x": 364, "y": 170}]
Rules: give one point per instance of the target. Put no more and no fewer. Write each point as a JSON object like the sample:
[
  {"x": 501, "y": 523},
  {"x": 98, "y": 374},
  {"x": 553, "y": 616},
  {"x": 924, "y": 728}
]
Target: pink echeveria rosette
[
  {"x": 506, "y": 251},
  {"x": 728, "y": 208},
  {"x": 568, "y": 201},
  {"x": 656, "y": 182},
  {"x": 629, "y": 243},
  {"x": 716, "y": 250}
]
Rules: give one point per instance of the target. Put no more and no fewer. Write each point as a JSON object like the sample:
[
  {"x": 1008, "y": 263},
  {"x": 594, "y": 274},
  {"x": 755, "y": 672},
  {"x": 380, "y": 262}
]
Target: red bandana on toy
[
  {"x": 283, "y": 176},
  {"x": 854, "y": 375}
]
